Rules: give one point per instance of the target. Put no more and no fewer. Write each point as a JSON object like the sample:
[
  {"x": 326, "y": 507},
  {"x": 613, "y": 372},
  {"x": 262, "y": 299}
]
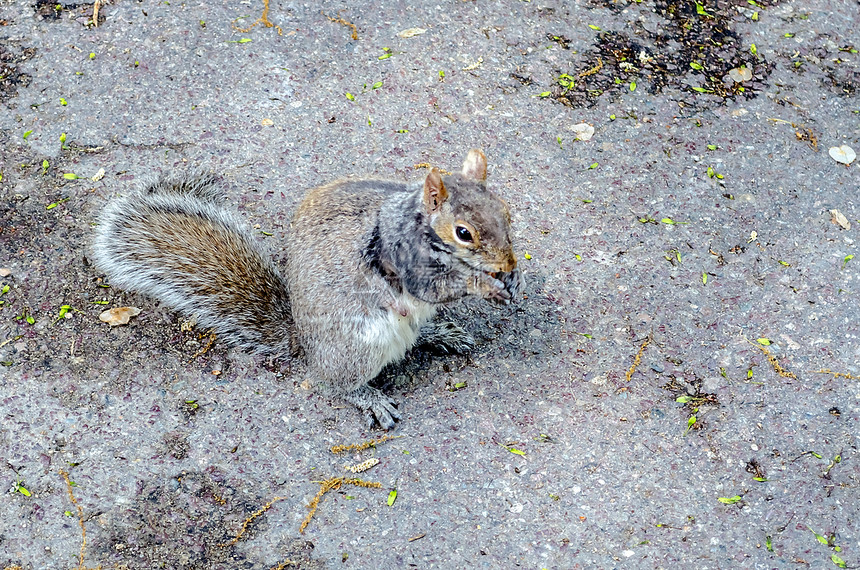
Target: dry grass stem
[
  {"x": 773, "y": 361},
  {"x": 65, "y": 475},
  {"x": 362, "y": 446},
  {"x": 638, "y": 358},
  {"x": 593, "y": 70},
  {"x": 248, "y": 521},
  {"x": 836, "y": 374},
  {"x": 263, "y": 19},
  {"x": 343, "y": 22},
  {"x": 329, "y": 485}
]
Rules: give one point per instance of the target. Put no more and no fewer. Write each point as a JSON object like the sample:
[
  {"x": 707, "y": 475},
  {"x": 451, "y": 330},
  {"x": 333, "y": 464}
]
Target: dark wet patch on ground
[{"x": 691, "y": 49}]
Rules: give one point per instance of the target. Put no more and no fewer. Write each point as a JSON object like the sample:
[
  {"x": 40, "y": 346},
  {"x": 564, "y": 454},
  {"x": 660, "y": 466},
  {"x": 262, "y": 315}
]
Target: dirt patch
[
  {"x": 692, "y": 49},
  {"x": 12, "y": 55}
]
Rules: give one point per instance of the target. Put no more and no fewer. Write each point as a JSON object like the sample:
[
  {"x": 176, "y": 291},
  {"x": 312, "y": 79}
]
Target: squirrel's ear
[
  {"x": 475, "y": 165},
  {"x": 435, "y": 193}
]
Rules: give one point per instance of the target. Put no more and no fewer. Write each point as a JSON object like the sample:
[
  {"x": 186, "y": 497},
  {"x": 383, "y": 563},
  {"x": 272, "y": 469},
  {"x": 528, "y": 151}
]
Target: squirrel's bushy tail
[{"x": 176, "y": 243}]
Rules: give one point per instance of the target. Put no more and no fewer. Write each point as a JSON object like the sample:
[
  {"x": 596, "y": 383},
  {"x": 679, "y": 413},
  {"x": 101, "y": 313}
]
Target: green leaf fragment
[
  {"x": 350, "y": 96},
  {"x": 392, "y": 496},
  {"x": 23, "y": 491},
  {"x": 712, "y": 147},
  {"x": 516, "y": 451},
  {"x": 815, "y": 454},
  {"x": 593, "y": 27},
  {"x": 753, "y": 49},
  {"x": 384, "y": 56},
  {"x": 702, "y": 90},
  {"x": 768, "y": 543},
  {"x": 760, "y": 479},
  {"x": 763, "y": 341},
  {"x": 377, "y": 85},
  {"x": 730, "y": 500},
  {"x": 683, "y": 399},
  {"x": 820, "y": 538},
  {"x": 696, "y": 65},
  {"x": 611, "y": 117},
  {"x": 838, "y": 561},
  {"x": 27, "y": 134},
  {"x": 70, "y": 176},
  {"x": 783, "y": 263},
  {"x": 704, "y": 278},
  {"x": 62, "y": 137},
  {"x": 593, "y": 165},
  {"x": 632, "y": 86},
  {"x": 545, "y": 94},
  {"x": 4, "y": 290},
  {"x": 31, "y": 320}
]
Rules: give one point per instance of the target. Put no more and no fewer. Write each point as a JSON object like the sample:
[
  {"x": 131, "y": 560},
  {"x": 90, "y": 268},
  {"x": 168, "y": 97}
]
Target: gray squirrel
[{"x": 367, "y": 264}]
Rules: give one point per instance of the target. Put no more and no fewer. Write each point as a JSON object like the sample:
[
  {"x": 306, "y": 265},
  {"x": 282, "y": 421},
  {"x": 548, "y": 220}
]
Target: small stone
[
  {"x": 740, "y": 74},
  {"x": 583, "y": 131},
  {"x": 5, "y": 272}
]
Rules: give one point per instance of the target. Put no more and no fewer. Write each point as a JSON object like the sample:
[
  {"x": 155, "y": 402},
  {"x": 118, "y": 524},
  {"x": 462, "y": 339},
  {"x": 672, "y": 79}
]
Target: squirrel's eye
[{"x": 463, "y": 234}]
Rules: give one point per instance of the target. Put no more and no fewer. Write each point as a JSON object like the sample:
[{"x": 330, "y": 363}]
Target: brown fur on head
[{"x": 473, "y": 221}]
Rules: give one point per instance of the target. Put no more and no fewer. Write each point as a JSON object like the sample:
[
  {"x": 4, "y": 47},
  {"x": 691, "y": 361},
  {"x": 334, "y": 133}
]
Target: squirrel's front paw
[
  {"x": 488, "y": 287},
  {"x": 514, "y": 282},
  {"x": 376, "y": 405}
]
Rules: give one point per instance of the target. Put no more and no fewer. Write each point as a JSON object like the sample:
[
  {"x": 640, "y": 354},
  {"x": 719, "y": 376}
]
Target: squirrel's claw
[
  {"x": 376, "y": 405},
  {"x": 514, "y": 283}
]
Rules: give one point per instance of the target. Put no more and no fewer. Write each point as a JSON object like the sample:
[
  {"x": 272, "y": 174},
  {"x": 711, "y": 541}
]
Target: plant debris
[
  {"x": 629, "y": 374},
  {"x": 248, "y": 521},
  {"x": 836, "y": 374},
  {"x": 839, "y": 219},
  {"x": 773, "y": 361},
  {"x": 119, "y": 315},
  {"x": 694, "y": 50},
  {"x": 65, "y": 475},
  {"x": 364, "y": 445},
  {"x": 341, "y": 21},
  {"x": 333, "y": 484},
  {"x": 263, "y": 19},
  {"x": 843, "y": 154},
  {"x": 363, "y": 466}
]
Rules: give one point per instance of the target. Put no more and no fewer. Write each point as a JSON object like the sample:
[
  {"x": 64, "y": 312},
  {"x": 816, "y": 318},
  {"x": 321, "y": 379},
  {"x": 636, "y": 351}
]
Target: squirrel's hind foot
[
  {"x": 376, "y": 405},
  {"x": 446, "y": 338}
]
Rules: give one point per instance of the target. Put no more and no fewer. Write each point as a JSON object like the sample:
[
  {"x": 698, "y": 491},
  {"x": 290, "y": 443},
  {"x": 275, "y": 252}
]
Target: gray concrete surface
[{"x": 169, "y": 458}]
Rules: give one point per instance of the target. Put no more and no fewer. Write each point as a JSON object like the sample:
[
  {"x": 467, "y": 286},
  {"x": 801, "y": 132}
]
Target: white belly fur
[{"x": 392, "y": 334}]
